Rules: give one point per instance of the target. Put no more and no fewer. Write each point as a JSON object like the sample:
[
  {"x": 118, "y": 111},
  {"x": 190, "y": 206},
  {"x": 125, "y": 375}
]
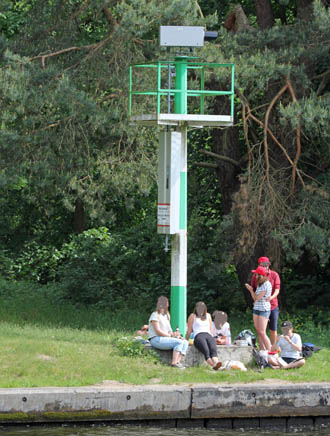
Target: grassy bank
[
  {"x": 34, "y": 356},
  {"x": 44, "y": 343}
]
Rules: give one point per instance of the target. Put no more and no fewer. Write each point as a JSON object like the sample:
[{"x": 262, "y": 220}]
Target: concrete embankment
[{"x": 213, "y": 406}]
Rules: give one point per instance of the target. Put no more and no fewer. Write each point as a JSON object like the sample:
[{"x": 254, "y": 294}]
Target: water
[{"x": 104, "y": 430}]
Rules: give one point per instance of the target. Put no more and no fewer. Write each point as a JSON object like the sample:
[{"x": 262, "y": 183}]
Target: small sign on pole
[{"x": 163, "y": 214}]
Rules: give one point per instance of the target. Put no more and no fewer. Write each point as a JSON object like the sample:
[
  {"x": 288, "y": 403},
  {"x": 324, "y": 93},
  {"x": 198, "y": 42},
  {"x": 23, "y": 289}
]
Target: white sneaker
[{"x": 178, "y": 365}]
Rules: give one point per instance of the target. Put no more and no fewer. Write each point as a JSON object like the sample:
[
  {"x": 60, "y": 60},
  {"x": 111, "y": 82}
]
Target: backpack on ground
[
  {"x": 248, "y": 336},
  {"x": 260, "y": 360},
  {"x": 308, "y": 349}
]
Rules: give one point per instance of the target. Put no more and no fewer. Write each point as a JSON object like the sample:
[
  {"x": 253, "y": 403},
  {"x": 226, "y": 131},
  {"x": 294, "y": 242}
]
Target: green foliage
[
  {"x": 311, "y": 287},
  {"x": 13, "y": 15},
  {"x": 130, "y": 347},
  {"x": 66, "y": 115},
  {"x": 63, "y": 94},
  {"x": 37, "y": 262},
  {"x": 310, "y": 225},
  {"x": 211, "y": 277},
  {"x": 106, "y": 269}
]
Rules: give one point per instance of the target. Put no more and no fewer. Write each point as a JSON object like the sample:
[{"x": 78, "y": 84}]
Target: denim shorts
[
  {"x": 273, "y": 319},
  {"x": 166, "y": 343},
  {"x": 290, "y": 359},
  {"x": 264, "y": 313}
]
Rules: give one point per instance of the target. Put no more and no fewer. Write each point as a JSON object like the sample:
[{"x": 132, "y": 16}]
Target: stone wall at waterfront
[{"x": 211, "y": 406}]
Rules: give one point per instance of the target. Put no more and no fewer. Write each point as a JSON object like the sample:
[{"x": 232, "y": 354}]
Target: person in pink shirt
[{"x": 275, "y": 281}]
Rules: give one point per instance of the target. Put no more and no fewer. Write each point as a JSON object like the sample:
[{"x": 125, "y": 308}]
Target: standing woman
[
  {"x": 261, "y": 306},
  {"x": 200, "y": 324},
  {"x": 161, "y": 335}
]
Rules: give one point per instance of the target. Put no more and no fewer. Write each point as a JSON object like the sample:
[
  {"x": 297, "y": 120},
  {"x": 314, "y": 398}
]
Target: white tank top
[{"x": 201, "y": 326}]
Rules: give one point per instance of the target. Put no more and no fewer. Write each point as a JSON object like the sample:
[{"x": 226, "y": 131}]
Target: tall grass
[{"x": 28, "y": 303}]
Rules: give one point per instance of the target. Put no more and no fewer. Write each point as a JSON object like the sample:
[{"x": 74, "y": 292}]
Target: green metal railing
[{"x": 183, "y": 93}]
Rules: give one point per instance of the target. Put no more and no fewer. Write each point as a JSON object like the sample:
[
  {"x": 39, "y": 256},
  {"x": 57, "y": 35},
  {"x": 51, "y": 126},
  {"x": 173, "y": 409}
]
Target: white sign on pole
[{"x": 163, "y": 215}]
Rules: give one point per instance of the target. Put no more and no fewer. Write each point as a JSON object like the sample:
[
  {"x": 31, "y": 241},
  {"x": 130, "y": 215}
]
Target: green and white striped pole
[{"x": 179, "y": 240}]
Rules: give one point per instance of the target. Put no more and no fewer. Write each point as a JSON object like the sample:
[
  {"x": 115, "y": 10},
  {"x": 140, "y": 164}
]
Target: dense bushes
[
  {"x": 104, "y": 268},
  {"x": 130, "y": 269},
  {"x": 113, "y": 270}
]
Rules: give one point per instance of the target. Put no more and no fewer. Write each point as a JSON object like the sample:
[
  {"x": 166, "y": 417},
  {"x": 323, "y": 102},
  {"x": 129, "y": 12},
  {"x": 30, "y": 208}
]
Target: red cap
[
  {"x": 261, "y": 270},
  {"x": 263, "y": 260}
]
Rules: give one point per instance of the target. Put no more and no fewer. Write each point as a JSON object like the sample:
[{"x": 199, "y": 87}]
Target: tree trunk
[
  {"x": 264, "y": 12},
  {"x": 79, "y": 217},
  {"x": 282, "y": 14},
  {"x": 244, "y": 276},
  {"x": 305, "y": 9},
  {"x": 237, "y": 21},
  {"x": 226, "y": 143}
]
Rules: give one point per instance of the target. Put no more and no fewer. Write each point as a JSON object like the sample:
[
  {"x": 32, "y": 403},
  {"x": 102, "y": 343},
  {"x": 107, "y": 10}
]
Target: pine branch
[
  {"x": 298, "y": 142},
  {"x": 318, "y": 191},
  {"x": 277, "y": 96},
  {"x": 205, "y": 165},
  {"x": 245, "y": 105},
  {"x": 322, "y": 85},
  {"x": 320, "y": 76},
  {"x": 221, "y": 157},
  {"x": 279, "y": 144},
  {"x": 92, "y": 49},
  {"x": 199, "y": 9},
  {"x": 59, "y": 52}
]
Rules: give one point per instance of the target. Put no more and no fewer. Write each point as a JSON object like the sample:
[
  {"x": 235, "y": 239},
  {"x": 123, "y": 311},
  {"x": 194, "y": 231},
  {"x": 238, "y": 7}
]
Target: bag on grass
[
  {"x": 260, "y": 360},
  {"x": 308, "y": 349},
  {"x": 247, "y": 336}
]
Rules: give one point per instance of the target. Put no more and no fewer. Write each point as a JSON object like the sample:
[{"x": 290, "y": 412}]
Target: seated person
[
  {"x": 143, "y": 330},
  {"x": 290, "y": 345},
  {"x": 161, "y": 335},
  {"x": 221, "y": 328},
  {"x": 200, "y": 324}
]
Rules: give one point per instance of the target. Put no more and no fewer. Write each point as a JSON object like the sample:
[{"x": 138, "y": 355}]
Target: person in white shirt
[
  {"x": 161, "y": 335},
  {"x": 289, "y": 343},
  {"x": 261, "y": 306},
  {"x": 221, "y": 328}
]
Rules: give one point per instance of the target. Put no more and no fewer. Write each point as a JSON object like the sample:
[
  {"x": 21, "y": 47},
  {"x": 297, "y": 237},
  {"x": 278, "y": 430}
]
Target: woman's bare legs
[
  {"x": 176, "y": 357},
  {"x": 212, "y": 361},
  {"x": 260, "y": 323},
  {"x": 296, "y": 364}
]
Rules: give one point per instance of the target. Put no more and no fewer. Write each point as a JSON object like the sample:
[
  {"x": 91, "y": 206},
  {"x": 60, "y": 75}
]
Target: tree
[
  {"x": 64, "y": 90},
  {"x": 280, "y": 143},
  {"x": 264, "y": 12},
  {"x": 63, "y": 84}
]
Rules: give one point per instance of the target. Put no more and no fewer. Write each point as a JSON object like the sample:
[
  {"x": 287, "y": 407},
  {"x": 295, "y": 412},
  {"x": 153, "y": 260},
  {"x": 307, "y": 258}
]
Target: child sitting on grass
[{"x": 289, "y": 344}]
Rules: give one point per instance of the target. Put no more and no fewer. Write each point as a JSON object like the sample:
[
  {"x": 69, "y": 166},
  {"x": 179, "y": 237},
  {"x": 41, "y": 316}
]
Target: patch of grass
[
  {"x": 47, "y": 344},
  {"x": 33, "y": 356},
  {"x": 67, "y": 358}
]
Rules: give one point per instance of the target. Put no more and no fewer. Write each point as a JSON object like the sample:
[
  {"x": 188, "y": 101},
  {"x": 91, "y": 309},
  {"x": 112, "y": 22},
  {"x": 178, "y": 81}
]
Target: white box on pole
[
  {"x": 168, "y": 207},
  {"x": 181, "y": 36}
]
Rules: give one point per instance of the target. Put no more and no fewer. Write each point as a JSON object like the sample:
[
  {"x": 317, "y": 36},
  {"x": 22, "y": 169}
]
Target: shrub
[
  {"x": 113, "y": 270},
  {"x": 130, "y": 347}
]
